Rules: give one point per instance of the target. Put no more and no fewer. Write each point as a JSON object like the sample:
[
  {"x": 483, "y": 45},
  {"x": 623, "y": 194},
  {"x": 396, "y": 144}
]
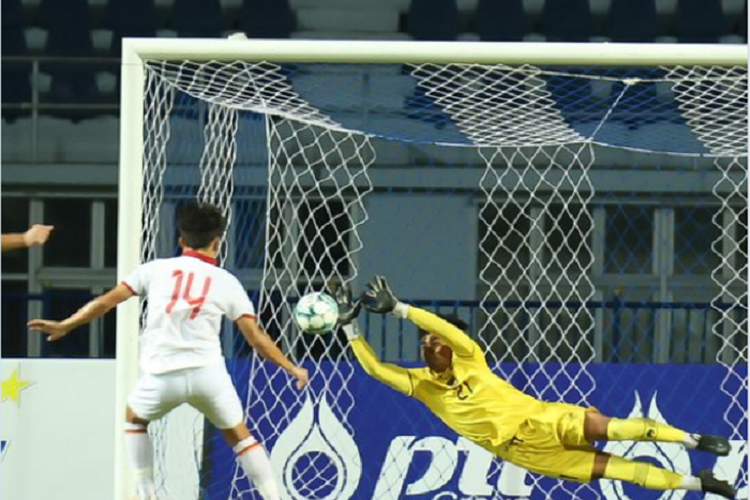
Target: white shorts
[{"x": 208, "y": 389}]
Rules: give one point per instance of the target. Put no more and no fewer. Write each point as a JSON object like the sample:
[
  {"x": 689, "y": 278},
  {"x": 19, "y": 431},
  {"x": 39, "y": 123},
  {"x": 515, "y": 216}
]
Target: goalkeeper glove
[
  {"x": 380, "y": 299},
  {"x": 348, "y": 309}
]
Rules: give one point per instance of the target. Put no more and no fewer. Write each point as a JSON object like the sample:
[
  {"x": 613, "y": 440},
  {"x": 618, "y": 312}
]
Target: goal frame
[{"x": 135, "y": 51}]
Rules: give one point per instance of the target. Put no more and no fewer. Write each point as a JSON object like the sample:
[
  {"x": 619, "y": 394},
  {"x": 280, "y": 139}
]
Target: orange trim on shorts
[{"x": 248, "y": 448}]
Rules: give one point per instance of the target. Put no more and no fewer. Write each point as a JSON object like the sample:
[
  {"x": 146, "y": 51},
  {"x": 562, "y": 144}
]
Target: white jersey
[{"x": 187, "y": 297}]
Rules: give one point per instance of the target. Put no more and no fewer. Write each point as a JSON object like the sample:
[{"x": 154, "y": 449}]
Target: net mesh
[{"x": 565, "y": 173}]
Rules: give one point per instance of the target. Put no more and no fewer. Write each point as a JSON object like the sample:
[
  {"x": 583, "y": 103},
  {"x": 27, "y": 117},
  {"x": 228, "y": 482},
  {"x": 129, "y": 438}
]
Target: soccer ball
[{"x": 316, "y": 313}]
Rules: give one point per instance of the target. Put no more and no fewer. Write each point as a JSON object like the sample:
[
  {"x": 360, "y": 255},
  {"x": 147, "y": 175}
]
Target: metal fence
[{"x": 622, "y": 331}]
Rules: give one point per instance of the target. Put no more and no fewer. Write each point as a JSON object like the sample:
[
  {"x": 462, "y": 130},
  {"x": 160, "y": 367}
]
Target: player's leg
[
  {"x": 598, "y": 427},
  {"x": 152, "y": 398},
  {"x": 655, "y": 478},
  {"x": 214, "y": 395},
  {"x": 253, "y": 459},
  {"x": 141, "y": 454}
]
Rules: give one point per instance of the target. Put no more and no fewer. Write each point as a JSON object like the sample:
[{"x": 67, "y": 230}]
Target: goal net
[{"x": 588, "y": 221}]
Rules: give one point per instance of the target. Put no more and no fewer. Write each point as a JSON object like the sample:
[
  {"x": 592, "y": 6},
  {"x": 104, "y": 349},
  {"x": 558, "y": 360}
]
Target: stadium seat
[
  {"x": 500, "y": 20},
  {"x": 633, "y": 21},
  {"x": 36, "y": 39},
  {"x": 533, "y": 7},
  {"x": 267, "y": 18},
  {"x": 666, "y": 7},
  {"x": 384, "y": 20},
  {"x": 567, "y": 21},
  {"x": 699, "y": 21},
  {"x": 600, "y": 7},
  {"x": 197, "y": 18},
  {"x": 433, "y": 20},
  {"x": 130, "y": 18},
  {"x": 733, "y": 7},
  {"x": 69, "y": 26},
  {"x": 16, "y": 86}
]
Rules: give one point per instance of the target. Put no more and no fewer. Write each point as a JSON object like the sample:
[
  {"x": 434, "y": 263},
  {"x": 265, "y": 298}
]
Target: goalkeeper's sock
[
  {"x": 254, "y": 461},
  {"x": 648, "y": 476},
  {"x": 646, "y": 429},
  {"x": 141, "y": 454}
]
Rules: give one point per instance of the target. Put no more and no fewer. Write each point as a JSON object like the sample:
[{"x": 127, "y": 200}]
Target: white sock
[
  {"x": 691, "y": 483},
  {"x": 691, "y": 441},
  {"x": 141, "y": 454},
  {"x": 254, "y": 461}
]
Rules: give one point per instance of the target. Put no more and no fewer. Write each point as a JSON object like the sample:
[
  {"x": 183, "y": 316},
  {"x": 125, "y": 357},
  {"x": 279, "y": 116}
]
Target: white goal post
[{"x": 131, "y": 161}]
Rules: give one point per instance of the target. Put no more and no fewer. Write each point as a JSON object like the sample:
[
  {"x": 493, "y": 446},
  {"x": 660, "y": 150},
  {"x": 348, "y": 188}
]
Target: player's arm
[
  {"x": 380, "y": 299},
  {"x": 35, "y": 235},
  {"x": 259, "y": 340},
  {"x": 393, "y": 376},
  {"x": 96, "y": 308}
]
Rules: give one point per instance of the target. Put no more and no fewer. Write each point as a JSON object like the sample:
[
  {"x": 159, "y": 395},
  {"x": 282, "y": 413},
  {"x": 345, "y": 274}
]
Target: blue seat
[
  {"x": 69, "y": 26},
  {"x": 197, "y": 18},
  {"x": 500, "y": 20},
  {"x": 699, "y": 21},
  {"x": 130, "y": 18},
  {"x": 433, "y": 20},
  {"x": 633, "y": 21},
  {"x": 568, "y": 21},
  {"x": 267, "y": 18}
]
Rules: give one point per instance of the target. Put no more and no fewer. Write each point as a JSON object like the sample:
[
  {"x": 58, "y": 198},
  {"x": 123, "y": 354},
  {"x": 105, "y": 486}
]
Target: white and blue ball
[{"x": 316, "y": 313}]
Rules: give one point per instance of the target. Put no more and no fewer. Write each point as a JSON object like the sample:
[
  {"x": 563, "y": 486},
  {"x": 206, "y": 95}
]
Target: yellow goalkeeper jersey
[{"x": 468, "y": 398}]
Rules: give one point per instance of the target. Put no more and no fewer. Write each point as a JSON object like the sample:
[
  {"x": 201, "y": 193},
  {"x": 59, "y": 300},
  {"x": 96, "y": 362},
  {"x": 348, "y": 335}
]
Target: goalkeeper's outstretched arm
[
  {"x": 394, "y": 376},
  {"x": 381, "y": 299}
]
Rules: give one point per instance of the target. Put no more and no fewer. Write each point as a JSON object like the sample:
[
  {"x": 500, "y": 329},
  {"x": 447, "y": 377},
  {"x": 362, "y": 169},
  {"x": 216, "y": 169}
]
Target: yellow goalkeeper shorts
[{"x": 552, "y": 443}]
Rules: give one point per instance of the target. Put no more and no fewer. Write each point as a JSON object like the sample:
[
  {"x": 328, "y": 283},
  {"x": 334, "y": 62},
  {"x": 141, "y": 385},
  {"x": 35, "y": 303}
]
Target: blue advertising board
[{"x": 349, "y": 436}]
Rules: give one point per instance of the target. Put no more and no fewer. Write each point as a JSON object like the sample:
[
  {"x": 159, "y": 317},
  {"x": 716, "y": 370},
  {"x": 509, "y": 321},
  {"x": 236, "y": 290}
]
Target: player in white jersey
[{"x": 181, "y": 357}]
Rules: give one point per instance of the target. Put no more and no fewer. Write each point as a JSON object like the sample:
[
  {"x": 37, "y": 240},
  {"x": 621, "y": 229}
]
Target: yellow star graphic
[{"x": 12, "y": 387}]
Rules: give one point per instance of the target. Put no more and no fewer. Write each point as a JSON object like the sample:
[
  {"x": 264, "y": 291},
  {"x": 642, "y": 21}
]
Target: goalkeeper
[{"x": 553, "y": 439}]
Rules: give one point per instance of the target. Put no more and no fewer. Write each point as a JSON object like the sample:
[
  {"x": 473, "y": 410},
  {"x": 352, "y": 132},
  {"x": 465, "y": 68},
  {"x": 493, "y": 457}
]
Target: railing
[{"x": 618, "y": 331}]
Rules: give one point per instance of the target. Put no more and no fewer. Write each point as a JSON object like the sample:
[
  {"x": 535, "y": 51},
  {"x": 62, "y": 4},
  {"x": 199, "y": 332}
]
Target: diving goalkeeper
[{"x": 552, "y": 439}]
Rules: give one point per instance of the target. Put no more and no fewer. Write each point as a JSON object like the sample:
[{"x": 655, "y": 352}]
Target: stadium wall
[{"x": 57, "y": 423}]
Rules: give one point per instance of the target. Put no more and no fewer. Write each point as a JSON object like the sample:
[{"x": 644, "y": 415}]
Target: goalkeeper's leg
[
  {"x": 652, "y": 477},
  {"x": 598, "y": 427}
]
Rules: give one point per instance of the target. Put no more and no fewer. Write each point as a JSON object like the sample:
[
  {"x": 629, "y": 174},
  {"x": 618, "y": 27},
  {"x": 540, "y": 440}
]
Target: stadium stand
[
  {"x": 87, "y": 28},
  {"x": 567, "y": 21},
  {"x": 267, "y": 18},
  {"x": 500, "y": 21},
  {"x": 197, "y": 19},
  {"x": 16, "y": 85},
  {"x": 632, "y": 21},
  {"x": 435, "y": 20},
  {"x": 699, "y": 21},
  {"x": 69, "y": 26}
]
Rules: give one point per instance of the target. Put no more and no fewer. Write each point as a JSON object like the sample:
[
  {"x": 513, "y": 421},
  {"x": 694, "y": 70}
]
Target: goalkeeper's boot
[
  {"x": 714, "y": 444},
  {"x": 709, "y": 484}
]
